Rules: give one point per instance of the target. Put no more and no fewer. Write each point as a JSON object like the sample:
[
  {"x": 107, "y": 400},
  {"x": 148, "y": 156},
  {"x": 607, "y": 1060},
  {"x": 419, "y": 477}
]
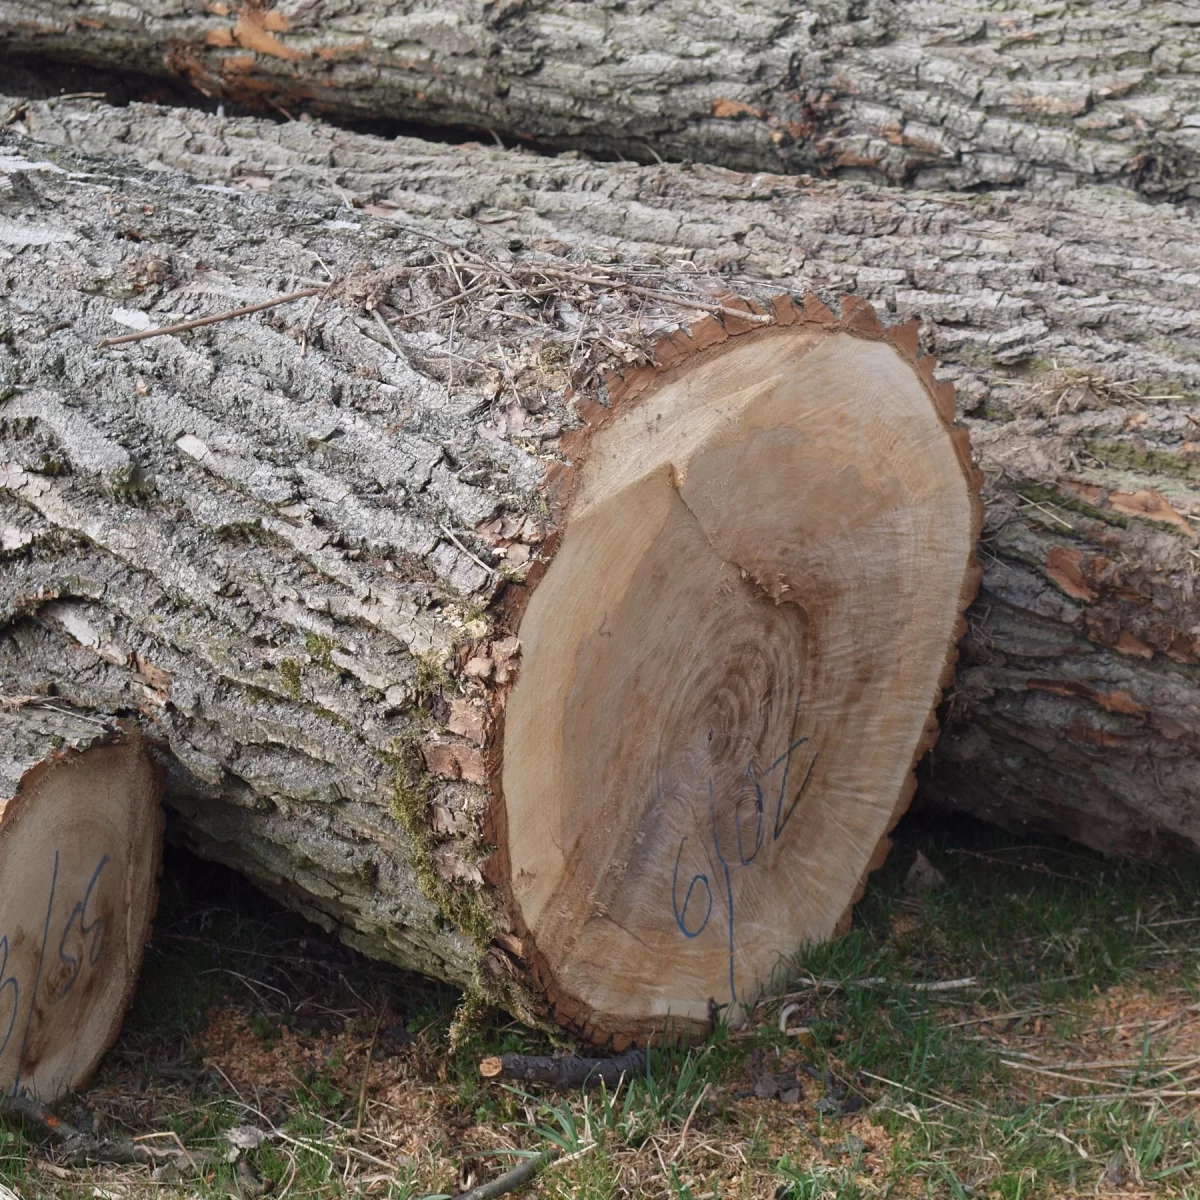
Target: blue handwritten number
[
  {"x": 681, "y": 914},
  {"x": 747, "y": 859},
  {"x": 712, "y": 804},
  {"x": 15, "y": 987},
  {"x": 95, "y": 927},
  {"x": 37, "y": 976},
  {"x": 756, "y": 775}
]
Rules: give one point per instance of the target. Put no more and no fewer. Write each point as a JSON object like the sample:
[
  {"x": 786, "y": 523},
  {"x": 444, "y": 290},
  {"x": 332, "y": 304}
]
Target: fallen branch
[
  {"x": 1035, "y": 1070},
  {"x": 563, "y": 1071},
  {"x": 944, "y": 985},
  {"x": 838, "y": 985},
  {"x": 183, "y": 326},
  {"x": 511, "y": 1180},
  {"x": 912, "y": 1091}
]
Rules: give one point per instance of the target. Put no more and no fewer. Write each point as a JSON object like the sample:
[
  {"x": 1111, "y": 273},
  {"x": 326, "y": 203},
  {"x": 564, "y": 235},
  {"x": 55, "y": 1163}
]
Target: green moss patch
[{"x": 1151, "y": 462}]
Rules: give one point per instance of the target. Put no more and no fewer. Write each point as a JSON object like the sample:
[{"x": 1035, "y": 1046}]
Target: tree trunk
[
  {"x": 963, "y": 96},
  {"x": 80, "y": 847},
  {"x": 1054, "y": 719},
  {"x": 1069, "y": 326},
  {"x": 266, "y": 535}
]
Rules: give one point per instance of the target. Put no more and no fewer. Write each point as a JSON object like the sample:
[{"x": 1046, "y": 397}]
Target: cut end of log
[
  {"x": 80, "y": 850},
  {"x": 730, "y": 666},
  {"x": 491, "y": 1068}
]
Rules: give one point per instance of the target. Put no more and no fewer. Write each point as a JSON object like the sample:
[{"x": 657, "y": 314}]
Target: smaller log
[
  {"x": 80, "y": 850},
  {"x": 564, "y": 1071}
]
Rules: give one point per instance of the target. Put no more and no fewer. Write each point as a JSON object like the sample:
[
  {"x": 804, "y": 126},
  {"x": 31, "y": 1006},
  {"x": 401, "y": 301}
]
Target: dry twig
[
  {"x": 563, "y": 1071},
  {"x": 183, "y": 326},
  {"x": 511, "y": 1180},
  {"x": 79, "y": 1148}
]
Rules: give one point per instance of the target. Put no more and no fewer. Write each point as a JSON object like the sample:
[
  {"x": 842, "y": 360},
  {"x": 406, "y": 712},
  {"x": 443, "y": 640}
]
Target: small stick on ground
[
  {"x": 362, "y": 1089},
  {"x": 183, "y": 326},
  {"x": 563, "y": 1071},
  {"x": 904, "y": 1087},
  {"x": 967, "y": 983},
  {"x": 80, "y": 1149},
  {"x": 511, "y": 1180}
]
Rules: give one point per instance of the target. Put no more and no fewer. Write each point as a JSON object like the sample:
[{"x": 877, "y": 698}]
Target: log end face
[
  {"x": 729, "y": 670},
  {"x": 80, "y": 853}
]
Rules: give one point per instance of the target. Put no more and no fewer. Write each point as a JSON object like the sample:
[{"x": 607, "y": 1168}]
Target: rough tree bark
[
  {"x": 959, "y": 95},
  {"x": 1070, "y": 329},
  {"x": 1053, "y": 702}
]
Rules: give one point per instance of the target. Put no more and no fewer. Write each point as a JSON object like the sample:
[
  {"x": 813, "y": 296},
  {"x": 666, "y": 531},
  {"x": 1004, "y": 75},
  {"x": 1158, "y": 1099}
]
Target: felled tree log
[
  {"x": 664, "y": 714},
  {"x": 920, "y": 92},
  {"x": 80, "y": 848},
  {"x": 1069, "y": 326}
]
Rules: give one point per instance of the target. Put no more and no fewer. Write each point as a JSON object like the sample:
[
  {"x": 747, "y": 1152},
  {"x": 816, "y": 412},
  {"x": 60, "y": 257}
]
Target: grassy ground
[{"x": 1071, "y": 1066}]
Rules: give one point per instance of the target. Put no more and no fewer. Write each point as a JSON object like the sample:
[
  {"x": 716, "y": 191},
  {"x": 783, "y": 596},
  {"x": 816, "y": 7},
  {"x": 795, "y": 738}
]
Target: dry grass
[{"x": 1072, "y": 1067}]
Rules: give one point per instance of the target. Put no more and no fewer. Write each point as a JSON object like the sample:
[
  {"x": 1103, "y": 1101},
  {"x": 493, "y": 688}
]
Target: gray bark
[
  {"x": 248, "y": 536},
  {"x": 242, "y": 599},
  {"x": 31, "y": 728},
  {"x": 962, "y": 95}
]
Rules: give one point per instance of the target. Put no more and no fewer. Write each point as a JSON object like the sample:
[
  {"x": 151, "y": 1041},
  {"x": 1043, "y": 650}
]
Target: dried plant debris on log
[{"x": 966, "y": 95}]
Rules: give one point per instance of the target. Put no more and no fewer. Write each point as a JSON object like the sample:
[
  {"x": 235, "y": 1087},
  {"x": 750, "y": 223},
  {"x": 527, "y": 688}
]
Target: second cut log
[
  {"x": 80, "y": 848},
  {"x": 971, "y": 95}
]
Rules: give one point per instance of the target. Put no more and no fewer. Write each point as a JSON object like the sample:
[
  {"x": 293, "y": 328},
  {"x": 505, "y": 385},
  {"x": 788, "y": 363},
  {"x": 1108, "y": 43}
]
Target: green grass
[{"x": 905, "y": 1092}]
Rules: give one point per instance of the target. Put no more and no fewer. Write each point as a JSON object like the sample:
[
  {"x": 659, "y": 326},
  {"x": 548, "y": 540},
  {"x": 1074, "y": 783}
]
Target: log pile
[{"x": 548, "y": 579}]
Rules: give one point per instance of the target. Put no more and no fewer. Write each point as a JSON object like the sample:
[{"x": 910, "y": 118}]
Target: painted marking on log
[
  {"x": 96, "y": 926},
  {"x": 16, "y": 994},
  {"x": 70, "y": 966},
  {"x": 37, "y": 976},
  {"x": 756, "y": 775}
]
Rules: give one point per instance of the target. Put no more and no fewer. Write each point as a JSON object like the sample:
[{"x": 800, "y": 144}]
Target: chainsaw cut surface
[
  {"x": 728, "y": 670},
  {"x": 79, "y": 854}
]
